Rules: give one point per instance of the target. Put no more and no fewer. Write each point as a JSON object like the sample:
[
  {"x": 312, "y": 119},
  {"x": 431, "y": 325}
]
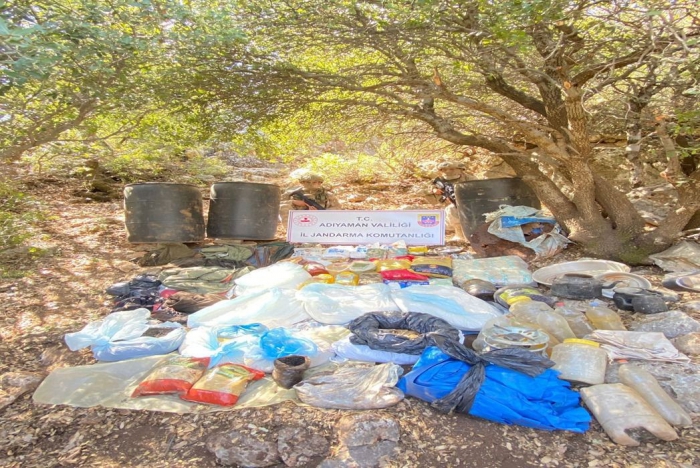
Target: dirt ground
[{"x": 60, "y": 288}]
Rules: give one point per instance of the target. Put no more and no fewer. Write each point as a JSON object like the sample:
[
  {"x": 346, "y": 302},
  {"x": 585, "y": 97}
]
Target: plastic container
[
  {"x": 603, "y": 318},
  {"x": 620, "y": 410},
  {"x": 580, "y": 361},
  {"x": 543, "y": 317},
  {"x": 243, "y": 210},
  {"x": 506, "y": 337},
  {"x": 576, "y": 319},
  {"x": 646, "y": 385},
  {"x": 509, "y": 295},
  {"x": 336, "y": 267},
  {"x": 163, "y": 212},
  {"x": 347, "y": 278},
  {"x": 362, "y": 266},
  {"x": 392, "y": 264},
  {"x": 475, "y": 198}
]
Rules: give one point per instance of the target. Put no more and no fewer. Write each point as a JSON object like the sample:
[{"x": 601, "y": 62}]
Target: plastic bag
[
  {"x": 272, "y": 308},
  {"x": 279, "y": 275},
  {"x": 684, "y": 256},
  {"x": 336, "y": 304},
  {"x": 176, "y": 374},
  {"x": 118, "y": 337},
  {"x": 386, "y": 332},
  {"x": 504, "y": 396},
  {"x": 355, "y": 388},
  {"x": 455, "y": 306},
  {"x": 403, "y": 275},
  {"x": 347, "y": 350},
  {"x": 279, "y": 342},
  {"x": 438, "y": 267},
  {"x": 501, "y": 271},
  {"x": 222, "y": 385},
  {"x": 507, "y": 222}
]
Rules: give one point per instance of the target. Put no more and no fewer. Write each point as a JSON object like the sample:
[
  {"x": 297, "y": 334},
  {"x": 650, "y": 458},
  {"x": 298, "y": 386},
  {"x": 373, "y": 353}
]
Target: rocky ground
[{"x": 58, "y": 286}]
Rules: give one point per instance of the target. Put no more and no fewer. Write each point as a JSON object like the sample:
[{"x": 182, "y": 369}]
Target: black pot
[{"x": 579, "y": 286}]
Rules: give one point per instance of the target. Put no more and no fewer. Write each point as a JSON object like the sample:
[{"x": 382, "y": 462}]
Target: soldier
[
  {"x": 312, "y": 195},
  {"x": 450, "y": 174}
]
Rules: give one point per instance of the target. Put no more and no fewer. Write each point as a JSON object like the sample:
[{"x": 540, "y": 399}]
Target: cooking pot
[{"x": 579, "y": 286}]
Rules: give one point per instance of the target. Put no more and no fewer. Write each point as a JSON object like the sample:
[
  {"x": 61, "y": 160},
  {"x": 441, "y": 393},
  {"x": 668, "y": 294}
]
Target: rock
[
  {"x": 680, "y": 380},
  {"x": 366, "y": 440},
  {"x": 298, "y": 446},
  {"x": 366, "y": 428},
  {"x": 688, "y": 344},
  {"x": 672, "y": 324},
  {"x": 15, "y": 384},
  {"x": 692, "y": 306},
  {"x": 237, "y": 448},
  {"x": 22, "y": 380}
]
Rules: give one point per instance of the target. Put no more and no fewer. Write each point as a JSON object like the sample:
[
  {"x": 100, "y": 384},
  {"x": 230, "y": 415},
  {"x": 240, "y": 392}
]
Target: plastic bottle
[
  {"x": 620, "y": 409},
  {"x": 544, "y": 318},
  {"x": 580, "y": 361},
  {"x": 576, "y": 319},
  {"x": 646, "y": 385},
  {"x": 603, "y": 318}
]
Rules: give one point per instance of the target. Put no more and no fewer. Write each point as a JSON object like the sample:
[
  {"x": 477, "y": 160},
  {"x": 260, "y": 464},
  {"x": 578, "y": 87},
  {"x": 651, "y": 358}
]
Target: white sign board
[{"x": 426, "y": 227}]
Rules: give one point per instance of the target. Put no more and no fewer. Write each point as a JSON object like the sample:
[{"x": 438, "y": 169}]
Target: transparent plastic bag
[
  {"x": 355, "y": 388},
  {"x": 119, "y": 337},
  {"x": 336, "y": 304},
  {"x": 273, "y": 308},
  {"x": 279, "y": 275},
  {"x": 455, "y": 306}
]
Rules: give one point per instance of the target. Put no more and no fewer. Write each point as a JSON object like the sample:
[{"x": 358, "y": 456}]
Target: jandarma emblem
[
  {"x": 428, "y": 220},
  {"x": 304, "y": 219}
]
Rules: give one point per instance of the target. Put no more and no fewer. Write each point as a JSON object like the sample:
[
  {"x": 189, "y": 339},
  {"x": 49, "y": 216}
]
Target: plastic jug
[
  {"x": 580, "y": 361},
  {"x": 619, "y": 409},
  {"x": 576, "y": 319},
  {"x": 646, "y": 385},
  {"x": 544, "y": 317},
  {"x": 603, "y": 318}
]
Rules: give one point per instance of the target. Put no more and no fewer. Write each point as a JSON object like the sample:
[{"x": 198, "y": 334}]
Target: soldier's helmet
[{"x": 309, "y": 177}]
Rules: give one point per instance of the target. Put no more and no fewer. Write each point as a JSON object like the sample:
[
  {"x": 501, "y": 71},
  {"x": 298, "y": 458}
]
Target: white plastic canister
[{"x": 580, "y": 361}]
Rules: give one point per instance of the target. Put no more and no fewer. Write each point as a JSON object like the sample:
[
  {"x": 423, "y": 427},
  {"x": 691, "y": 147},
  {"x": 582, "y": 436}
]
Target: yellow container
[
  {"x": 347, "y": 278},
  {"x": 392, "y": 264},
  {"x": 336, "y": 267}
]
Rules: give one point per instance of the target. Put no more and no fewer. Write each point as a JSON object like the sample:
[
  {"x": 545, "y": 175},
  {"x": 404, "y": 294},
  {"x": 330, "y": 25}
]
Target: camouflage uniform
[
  {"x": 310, "y": 191},
  {"x": 453, "y": 173}
]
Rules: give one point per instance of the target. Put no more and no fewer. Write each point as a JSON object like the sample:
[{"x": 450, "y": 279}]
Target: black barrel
[
  {"x": 243, "y": 210},
  {"x": 475, "y": 198},
  {"x": 163, "y": 212}
]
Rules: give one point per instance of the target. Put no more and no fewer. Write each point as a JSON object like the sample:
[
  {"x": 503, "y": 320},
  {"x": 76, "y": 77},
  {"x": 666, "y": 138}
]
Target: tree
[
  {"x": 96, "y": 70},
  {"x": 516, "y": 78}
]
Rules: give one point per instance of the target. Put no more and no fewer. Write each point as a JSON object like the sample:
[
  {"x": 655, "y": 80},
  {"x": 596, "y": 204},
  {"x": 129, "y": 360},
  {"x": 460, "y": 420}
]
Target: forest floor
[{"x": 59, "y": 286}]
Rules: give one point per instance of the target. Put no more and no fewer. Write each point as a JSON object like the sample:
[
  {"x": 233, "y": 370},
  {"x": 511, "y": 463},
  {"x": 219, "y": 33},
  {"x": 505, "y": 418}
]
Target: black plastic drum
[
  {"x": 163, "y": 212},
  {"x": 475, "y": 198},
  {"x": 243, "y": 210}
]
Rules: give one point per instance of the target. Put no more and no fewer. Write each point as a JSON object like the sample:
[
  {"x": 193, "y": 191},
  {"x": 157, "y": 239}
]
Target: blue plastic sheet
[
  {"x": 278, "y": 343},
  {"x": 506, "y": 396}
]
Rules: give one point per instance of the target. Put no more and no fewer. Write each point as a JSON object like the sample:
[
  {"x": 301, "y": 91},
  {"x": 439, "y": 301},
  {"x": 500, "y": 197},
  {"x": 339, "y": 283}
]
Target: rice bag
[
  {"x": 222, "y": 385},
  {"x": 437, "y": 267},
  {"x": 175, "y": 374}
]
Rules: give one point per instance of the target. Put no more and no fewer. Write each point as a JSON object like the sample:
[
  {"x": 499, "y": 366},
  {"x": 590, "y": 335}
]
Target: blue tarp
[{"x": 506, "y": 396}]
